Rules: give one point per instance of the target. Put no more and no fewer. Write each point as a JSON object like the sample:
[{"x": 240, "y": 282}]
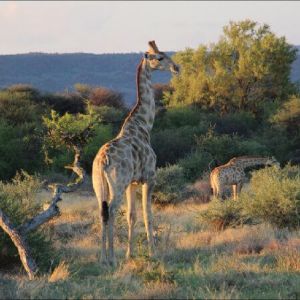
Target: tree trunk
[
  {"x": 20, "y": 242},
  {"x": 18, "y": 235}
]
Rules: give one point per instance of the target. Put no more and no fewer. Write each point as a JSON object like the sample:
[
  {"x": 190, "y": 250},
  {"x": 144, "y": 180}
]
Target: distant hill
[
  {"x": 59, "y": 72},
  {"x": 295, "y": 74}
]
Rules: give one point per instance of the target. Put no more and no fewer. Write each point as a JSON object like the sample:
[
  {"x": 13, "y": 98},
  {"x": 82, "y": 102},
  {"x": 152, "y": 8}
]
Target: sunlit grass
[{"x": 191, "y": 262}]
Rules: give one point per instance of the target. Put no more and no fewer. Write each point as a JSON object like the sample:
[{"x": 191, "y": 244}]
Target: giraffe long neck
[
  {"x": 143, "y": 113},
  {"x": 249, "y": 162}
]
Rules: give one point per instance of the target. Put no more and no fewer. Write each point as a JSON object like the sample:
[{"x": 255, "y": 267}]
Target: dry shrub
[
  {"x": 288, "y": 260},
  {"x": 203, "y": 189},
  {"x": 197, "y": 239},
  {"x": 132, "y": 266},
  {"x": 160, "y": 89},
  {"x": 105, "y": 97},
  {"x": 221, "y": 215},
  {"x": 163, "y": 240},
  {"x": 156, "y": 290},
  {"x": 224, "y": 292},
  {"x": 255, "y": 241},
  {"x": 61, "y": 272},
  {"x": 245, "y": 240},
  {"x": 273, "y": 245}
]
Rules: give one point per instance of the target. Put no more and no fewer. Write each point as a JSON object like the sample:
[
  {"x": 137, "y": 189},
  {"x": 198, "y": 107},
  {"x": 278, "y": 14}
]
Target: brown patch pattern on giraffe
[
  {"x": 233, "y": 173},
  {"x": 129, "y": 158}
]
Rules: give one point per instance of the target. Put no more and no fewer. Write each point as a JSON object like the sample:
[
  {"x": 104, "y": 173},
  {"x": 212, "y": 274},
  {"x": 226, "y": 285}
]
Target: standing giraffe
[
  {"x": 129, "y": 159},
  {"x": 233, "y": 173}
]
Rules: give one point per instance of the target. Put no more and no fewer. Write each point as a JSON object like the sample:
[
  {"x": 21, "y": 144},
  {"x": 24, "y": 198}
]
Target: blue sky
[{"x": 126, "y": 26}]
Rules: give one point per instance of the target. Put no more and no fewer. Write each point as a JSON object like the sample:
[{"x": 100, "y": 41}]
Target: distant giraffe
[
  {"x": 129, "y": 159},
  {"x": 233, "y": 173}
]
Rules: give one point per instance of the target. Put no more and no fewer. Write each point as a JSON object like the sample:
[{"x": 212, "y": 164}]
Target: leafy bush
[
  {"x": 18, "y": 201},
  {"x": 103, "y": 133},
  {"x": 241, "y": 123},
  {"x": 64, "y": 103},
  {"x": 110, "y": 115},
  {"x": 171, "y": 145},
  {"x": 195, "y": 164},
  {"x": 170, "y": 186},
  {"x": 17, "y": 108},
  {"x": 213, "y": 149},
  {"x": 159, "y": 90},
  {"x": 67, "y": 134},
  {"x": 289, "y": 114},
  {"x": 69, "y": 130},
  {"x": 248, "y": 63},
  {"x": 222, "y": 214},
  {"x": 274, "y": 196},
  {"x": 20, "y": 148},
  {"x": 221, "y": 147},
  {"x": 176, "y": 117},
  {"x": 278, "y": 142}
]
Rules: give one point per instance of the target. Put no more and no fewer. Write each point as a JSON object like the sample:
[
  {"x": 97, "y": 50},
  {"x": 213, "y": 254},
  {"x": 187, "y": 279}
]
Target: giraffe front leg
[
  {"x": 131, "y": 217},
  {"x": 146, "y": 200}
]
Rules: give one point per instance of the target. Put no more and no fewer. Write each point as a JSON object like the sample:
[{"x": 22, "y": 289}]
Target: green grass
[{"x": 249, "y": 262}]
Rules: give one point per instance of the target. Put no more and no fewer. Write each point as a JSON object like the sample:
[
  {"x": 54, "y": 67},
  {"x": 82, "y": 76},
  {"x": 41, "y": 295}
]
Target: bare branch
[
  {"x": 20, "y": 242},
  {"x": 18, "y": 235},
  {"x": 58, "y": 189}
]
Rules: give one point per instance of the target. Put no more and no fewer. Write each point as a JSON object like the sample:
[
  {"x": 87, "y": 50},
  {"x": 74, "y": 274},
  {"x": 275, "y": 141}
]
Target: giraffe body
[
  {"x": 233, "y": 173},
  {"x": 129, "y": 159}
]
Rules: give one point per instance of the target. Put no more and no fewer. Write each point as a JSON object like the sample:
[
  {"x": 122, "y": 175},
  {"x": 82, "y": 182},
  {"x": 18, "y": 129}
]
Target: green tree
[{"x": 248, "y": 66}]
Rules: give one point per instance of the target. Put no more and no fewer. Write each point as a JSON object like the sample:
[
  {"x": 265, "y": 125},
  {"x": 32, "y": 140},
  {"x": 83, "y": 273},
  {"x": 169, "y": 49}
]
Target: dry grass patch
[
  {"x": 287, "y": 260},
  {"x": 245, "y": 240},
  {"x": 203, "y": 189},
  {"x": 61, "y": 272},
  {"x": 195, "y": 240},
  {"x": 224, "y": 263},
  {"x": 154, "y": 290},
  {"x": 224, "y": 292}
]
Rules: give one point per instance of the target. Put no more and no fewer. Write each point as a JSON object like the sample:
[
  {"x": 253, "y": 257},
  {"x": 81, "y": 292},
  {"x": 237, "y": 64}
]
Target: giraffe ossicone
[{"x": 129, "y": 159}]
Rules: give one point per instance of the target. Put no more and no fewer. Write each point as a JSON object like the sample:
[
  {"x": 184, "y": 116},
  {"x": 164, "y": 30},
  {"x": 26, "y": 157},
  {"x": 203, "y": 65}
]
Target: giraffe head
[
  {"x": 159, "y": 60},
  {"x": 272, "y": 162}
]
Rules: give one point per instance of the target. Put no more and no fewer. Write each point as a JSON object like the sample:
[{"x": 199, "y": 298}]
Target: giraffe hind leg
[
  {"x": 234, "y": 191},
  {"x": 116, "y": 191},
  {"x": 131, "y": 217}
]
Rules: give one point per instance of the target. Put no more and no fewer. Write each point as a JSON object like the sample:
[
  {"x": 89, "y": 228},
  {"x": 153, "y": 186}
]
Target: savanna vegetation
[{"x": 231, "y": 98}]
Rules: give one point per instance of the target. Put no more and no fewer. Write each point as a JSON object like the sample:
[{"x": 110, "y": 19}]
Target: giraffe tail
[{"x": 100, "y": 186}]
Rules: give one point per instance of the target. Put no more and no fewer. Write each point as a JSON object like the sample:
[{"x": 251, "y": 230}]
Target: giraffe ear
[{"x": 152, "y": 47}]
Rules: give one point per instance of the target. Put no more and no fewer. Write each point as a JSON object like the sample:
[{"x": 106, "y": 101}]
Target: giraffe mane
[{"x": 138, "y": 102}]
